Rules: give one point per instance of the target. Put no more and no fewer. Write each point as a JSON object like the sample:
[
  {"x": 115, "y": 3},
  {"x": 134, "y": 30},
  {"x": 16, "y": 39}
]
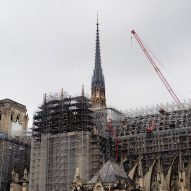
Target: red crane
[
  {"x": 157, "y": 70},
  {"x": 114, "y": 134},
  {"x": 151, "y": 127}
]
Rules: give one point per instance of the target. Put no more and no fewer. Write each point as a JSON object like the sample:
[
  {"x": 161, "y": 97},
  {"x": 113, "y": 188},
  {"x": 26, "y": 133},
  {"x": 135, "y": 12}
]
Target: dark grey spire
[{"x": 98, "y": 77}]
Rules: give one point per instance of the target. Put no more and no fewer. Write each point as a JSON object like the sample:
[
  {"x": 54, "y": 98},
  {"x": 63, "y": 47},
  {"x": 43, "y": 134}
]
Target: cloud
[{"x": 47, "y": 45}]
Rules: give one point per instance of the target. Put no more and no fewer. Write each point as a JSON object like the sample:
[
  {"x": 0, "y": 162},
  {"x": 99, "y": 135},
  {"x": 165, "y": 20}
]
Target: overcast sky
[{"x": 46, "y": 45}]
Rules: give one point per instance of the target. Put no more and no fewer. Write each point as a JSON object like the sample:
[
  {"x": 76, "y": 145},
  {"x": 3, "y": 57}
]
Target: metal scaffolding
[
  {"x": 68, "y": 134},
  {"x": 163, "y": 130},
  {"x": 64, "y": 138},
  {"x": 14, "y": 156}
]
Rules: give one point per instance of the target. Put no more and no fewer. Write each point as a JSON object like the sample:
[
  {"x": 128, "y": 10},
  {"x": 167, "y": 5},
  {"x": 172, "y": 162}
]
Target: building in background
[
  {"x": 20, "y": 183},
  {"x": 65, "y": 136},
  {"x": 75, "y": 139},
  {"x": 13, "y": 118},
  {"x": 154, "y": 146},
  {"x": 14, "y": 142},
  {"x": 111, "y": 176},
  {"x": 63, "y": 139}
]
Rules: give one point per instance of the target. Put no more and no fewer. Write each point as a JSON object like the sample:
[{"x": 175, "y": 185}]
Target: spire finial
[
  {"x": 62, "y": 93},
  {"x": 82, "y": 94},
  {"x": 45, "y": 98},
  {"x": 97, "y": 21}
]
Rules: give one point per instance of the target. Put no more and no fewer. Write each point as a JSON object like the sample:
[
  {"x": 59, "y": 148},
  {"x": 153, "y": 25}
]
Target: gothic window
[
  {"x": 97, "y": 93},
  {"x": 16, "y": 127},
  {"x": 17, "y": 119}
]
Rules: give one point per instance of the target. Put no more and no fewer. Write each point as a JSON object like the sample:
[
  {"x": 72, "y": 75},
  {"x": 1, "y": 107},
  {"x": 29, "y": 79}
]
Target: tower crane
[
  {"x": 157, "y": 70},
  {"x": 116, "y": 138}
]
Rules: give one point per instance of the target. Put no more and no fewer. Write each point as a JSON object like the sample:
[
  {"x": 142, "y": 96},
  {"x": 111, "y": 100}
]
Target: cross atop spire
[{"x": 97, "y": 22}]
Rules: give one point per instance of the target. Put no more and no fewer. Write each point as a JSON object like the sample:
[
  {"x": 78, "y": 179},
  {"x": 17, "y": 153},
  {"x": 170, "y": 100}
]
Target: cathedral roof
[
  {"x": 110, "y": 172},
  {"x": 98, "y": 77},
  {"x": 8, "y": 102}
]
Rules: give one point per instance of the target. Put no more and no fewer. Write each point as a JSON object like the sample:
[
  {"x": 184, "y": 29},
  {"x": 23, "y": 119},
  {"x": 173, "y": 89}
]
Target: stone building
[
  {"x": 151, "y": 148},
  {"x": 20, "y": 184},
  {"x": 65, "y": 136},
  {"x": 63, "y": 139},
  {"x": 111, "y": 176},
  {"x": 13, "y": 117},
  {"x": 14, "y": 144}
]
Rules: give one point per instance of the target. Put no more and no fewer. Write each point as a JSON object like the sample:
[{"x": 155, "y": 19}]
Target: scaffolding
[
  {"x": 14, "y": 156},
  {"x": 64, "y": 138},
  {"x": 68, "y": 134},
  {"x": 163, "y": 130}
]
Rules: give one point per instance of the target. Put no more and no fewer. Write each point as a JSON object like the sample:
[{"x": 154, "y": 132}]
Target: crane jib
[{"x": 157, "y": 70}]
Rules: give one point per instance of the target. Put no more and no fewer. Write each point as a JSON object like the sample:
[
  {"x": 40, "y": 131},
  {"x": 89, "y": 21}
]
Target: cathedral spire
[
  {"x": 98, "y": 77},
  {"x": 98, "y": 82}
]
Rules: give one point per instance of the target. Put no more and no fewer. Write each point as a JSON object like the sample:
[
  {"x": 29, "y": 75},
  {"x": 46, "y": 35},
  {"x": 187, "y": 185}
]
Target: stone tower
[
  {"x": 13, "y": 117},
  {"x": 98, "y": 99},
  {"x": 14, "y": 143}
]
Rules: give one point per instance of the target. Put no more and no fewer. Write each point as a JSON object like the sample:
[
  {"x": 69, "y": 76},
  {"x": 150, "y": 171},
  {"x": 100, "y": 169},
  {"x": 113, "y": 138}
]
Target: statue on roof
[
  {"x": 13, "y": 175},
  {"x": 77, "y": 183},
  {"x": 25, "y": 177}
]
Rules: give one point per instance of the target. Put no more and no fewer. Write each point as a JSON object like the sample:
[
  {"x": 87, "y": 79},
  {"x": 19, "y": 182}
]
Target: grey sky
[{"x": 46, "y": 45}]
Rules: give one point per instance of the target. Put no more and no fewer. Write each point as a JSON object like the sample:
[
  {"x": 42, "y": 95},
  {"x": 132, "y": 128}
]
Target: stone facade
[
  {"x": 21, "y": 184},
  {"x": 12, "y": 112},
  {"x": 14, "y": 142},
  {"x": 176, "y": 179}
]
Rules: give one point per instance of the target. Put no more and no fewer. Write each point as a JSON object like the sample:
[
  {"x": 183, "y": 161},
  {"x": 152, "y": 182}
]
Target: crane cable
[
  {"x": 181, "y": 84},
  {"x": 167, "y": 71}
]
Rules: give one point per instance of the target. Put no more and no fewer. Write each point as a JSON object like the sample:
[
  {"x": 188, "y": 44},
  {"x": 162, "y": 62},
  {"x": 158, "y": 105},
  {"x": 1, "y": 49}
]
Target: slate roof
[{"x": 110, "y": 172}]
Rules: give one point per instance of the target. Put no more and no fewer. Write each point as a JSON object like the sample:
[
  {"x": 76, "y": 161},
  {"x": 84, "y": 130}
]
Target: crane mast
[
  {"x": 113, "y": 133},
  {"x": 157, "y": 70}
]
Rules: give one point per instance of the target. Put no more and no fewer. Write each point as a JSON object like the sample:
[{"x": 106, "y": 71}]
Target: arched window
[
  {"x": 98, "y": 188},
  {"x": 16, "y": 126},
  {"x": 17, "y": 119}
]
